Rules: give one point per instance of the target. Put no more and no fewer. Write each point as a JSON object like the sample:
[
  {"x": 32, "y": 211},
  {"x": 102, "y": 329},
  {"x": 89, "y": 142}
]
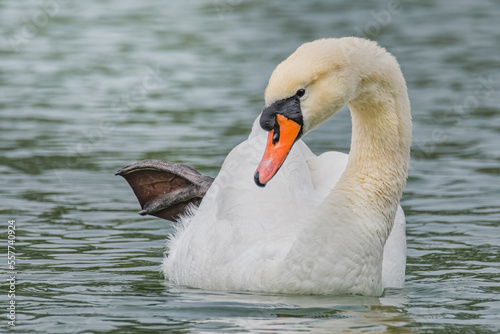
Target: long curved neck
[{"x": 375, "y": 176}]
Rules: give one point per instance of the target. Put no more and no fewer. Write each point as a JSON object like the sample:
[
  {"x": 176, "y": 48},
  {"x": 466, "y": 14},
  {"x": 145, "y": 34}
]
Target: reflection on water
[
  {"x": 268, "y": 312},
  {"x": 89, "y": 87}
]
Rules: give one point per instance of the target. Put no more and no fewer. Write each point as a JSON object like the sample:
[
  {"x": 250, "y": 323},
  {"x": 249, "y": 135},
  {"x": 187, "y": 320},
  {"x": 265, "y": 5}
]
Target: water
[{"x": 97, "y": 85}]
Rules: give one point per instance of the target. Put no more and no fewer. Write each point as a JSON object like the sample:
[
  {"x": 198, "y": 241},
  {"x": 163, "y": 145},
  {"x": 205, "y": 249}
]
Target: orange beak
[{"x": 279, "y": 144}]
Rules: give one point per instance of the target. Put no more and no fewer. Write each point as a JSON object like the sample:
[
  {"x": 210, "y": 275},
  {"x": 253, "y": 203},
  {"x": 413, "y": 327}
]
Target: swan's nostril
[{"x": 276, "y": 133}]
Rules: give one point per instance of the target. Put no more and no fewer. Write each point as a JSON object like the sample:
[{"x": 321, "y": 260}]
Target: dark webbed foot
[{"x": 165, "y": 189}]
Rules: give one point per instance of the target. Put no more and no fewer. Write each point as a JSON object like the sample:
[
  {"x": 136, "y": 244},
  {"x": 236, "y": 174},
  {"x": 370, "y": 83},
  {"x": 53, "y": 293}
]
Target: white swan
[{"x": 328, "y": 224}]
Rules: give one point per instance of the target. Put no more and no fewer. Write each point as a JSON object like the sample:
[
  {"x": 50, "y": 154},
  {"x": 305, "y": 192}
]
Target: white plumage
[{"x": 321, "y": 225}]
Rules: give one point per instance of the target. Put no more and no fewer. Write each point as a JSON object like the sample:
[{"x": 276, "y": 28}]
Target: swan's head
[{"x": 306, "y": 89}]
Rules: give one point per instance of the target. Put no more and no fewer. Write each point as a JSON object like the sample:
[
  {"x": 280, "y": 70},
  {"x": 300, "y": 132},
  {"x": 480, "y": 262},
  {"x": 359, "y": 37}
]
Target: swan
[{"x": 280, "y": 219}]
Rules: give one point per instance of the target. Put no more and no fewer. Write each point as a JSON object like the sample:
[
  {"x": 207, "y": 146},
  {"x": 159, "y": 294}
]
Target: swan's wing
[
  {"x": 165, "y": 189},
  {"x": 394, "y": 263},
  {"x": 326, "y": 170}
]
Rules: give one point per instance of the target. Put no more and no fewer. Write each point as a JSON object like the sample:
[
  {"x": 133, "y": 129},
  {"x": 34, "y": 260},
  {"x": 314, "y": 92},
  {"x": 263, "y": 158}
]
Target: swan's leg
[{"x": 165, "y": 189}]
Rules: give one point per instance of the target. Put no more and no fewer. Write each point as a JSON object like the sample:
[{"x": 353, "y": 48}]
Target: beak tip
[{"x": 256, "y": 178}]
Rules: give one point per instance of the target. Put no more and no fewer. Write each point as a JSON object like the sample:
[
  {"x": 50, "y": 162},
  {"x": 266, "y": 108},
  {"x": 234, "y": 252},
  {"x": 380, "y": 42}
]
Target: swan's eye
[{"x": 300, "y": 92}]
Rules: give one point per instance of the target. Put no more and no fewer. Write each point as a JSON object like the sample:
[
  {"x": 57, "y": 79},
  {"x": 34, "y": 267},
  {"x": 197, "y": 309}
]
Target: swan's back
[{"x": 242, "y": 234}]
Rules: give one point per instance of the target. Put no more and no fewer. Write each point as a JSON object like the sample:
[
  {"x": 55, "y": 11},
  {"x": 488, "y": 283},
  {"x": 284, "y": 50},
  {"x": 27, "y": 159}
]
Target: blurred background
[{"x": 87, "y": 87}]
